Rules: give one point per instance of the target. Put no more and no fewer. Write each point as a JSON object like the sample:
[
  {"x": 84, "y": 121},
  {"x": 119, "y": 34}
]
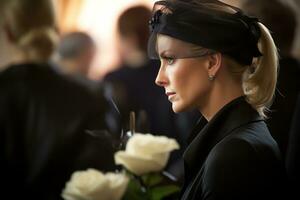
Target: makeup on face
[{"x": 185, "y": 79}]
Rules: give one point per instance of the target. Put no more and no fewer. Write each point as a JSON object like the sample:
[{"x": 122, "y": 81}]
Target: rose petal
[
  {"x": 138, "y": 165},
  {"x": 94, "y": 185},
  {"x": 118, "y": 184},
  {"x": 147, "y": 144}
]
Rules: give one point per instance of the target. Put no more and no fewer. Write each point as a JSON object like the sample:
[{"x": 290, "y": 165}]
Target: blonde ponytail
[
  {"x": 259, "y": 81},
  {"x": 38, "y": 44},
  {"x": 32, "y": 26}
]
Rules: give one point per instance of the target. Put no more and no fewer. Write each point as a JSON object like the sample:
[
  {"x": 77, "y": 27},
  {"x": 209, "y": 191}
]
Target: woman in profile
[{"x": 224, "y": 63}]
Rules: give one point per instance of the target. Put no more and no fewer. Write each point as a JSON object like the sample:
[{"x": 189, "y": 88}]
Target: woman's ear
[{"x": 214, "y": 64}]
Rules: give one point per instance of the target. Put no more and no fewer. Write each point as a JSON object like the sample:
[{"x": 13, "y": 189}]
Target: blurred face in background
[
  {"x": 85, "y": 59},
  {"x": 185, "y": 79}
]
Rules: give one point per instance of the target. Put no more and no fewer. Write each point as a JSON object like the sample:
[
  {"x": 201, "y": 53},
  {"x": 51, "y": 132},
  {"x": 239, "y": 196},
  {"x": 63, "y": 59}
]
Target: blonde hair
[
  {"x": 258, "y": 80},
  {"x": 32, "y": 24},
  {"x": 39, "y": 44},
  {"x": 259, "y": 86}
]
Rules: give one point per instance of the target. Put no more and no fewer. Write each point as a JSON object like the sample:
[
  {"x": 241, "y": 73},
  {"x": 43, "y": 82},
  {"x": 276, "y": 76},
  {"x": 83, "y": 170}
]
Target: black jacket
[
  {"x": 43, "y": 121},
  {"x": 233, "y": 157}
]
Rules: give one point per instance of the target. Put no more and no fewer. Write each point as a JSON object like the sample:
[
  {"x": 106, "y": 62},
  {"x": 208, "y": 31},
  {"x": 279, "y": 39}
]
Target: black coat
[
  {"x": 233, "y": 157},
  {"x": 43, "y": 119}
]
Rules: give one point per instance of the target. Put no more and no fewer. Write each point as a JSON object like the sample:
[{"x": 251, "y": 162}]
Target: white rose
[
  {"x": 146, "y": 153},
  {"x": 94, "y": 185}
]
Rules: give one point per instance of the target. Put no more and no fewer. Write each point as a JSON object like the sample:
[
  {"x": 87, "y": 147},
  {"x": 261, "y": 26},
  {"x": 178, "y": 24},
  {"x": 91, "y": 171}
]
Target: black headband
[{"x": 235, "y": 35}]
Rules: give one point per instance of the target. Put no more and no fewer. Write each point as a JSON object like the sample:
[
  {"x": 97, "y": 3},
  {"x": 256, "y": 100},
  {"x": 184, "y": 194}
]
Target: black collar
[{"x": 232, "y": 116}]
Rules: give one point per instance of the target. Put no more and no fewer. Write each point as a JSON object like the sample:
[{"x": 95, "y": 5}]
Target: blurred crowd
[{"x": 55, "y": 120}]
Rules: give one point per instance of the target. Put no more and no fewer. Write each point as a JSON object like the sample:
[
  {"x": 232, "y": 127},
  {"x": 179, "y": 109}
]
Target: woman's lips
[{"x": 170, "y": 95}]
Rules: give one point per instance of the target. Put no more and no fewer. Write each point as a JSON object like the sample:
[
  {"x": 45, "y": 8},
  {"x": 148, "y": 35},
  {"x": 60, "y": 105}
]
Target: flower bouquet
[
  {"x": 144, "y": 158},
  {"x": 142, "y": 177}
]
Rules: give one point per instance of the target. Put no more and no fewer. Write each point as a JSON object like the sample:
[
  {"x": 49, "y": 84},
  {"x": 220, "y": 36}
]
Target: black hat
[{"x": 201, "y": 23}]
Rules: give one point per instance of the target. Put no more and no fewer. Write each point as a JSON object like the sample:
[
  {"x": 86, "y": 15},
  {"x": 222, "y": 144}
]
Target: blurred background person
[
  {"x": 23, "y": 43},
  {"x": 133, "y": 82},
  {"x": 293, "y": 151},
  {"x": 133, "y": 88},
  {"x": 296, "y": 5},
  {"x": 44, "y": 115},
  {"x": 75, "y": 53},
  {"x": 7, "y": 52}
]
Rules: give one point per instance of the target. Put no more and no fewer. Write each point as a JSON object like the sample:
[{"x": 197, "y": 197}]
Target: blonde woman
[{"x": 224, "y": 63}]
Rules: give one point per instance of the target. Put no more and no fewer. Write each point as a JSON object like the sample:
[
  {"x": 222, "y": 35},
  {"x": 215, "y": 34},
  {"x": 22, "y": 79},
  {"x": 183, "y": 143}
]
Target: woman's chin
[{"x": 178, "y": 108}]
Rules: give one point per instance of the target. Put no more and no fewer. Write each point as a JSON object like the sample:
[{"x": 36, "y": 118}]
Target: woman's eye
[{"x": 170, "y": 61}]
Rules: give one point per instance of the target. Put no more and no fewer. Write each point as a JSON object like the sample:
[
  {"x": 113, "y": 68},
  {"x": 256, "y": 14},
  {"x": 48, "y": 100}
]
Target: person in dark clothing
[
  {"x": 293, "y": 151},
  {"x": 43, "y": 122},
  {"x": 46, "y": 119},
  {"x": 75, "y": 53},
  {"x": 131, "y": 89},
  {"x": 216, "y": 59}
]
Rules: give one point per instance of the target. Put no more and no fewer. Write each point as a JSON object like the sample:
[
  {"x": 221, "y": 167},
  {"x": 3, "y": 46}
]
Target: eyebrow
[
  {"x": 162, "y": 54},
  {"x": 165, "y": 53}
]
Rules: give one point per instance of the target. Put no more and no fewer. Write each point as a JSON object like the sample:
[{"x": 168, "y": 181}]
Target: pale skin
[{"x": 186, "y": 81}]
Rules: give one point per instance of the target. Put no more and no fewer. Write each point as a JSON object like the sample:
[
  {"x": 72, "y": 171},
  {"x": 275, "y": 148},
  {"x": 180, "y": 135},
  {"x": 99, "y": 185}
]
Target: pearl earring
[{"x": 211, "y": 77}]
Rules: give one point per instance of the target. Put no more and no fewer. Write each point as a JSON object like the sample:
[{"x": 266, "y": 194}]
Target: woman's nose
[{"x": 161, "y": 79}]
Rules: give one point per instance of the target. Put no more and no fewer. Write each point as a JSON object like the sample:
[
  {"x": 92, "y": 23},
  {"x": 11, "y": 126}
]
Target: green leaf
[
  {"x": 134, "y": 192},
  {"x": 158, "y": 193},
  {"x": 152, "y": 179}
]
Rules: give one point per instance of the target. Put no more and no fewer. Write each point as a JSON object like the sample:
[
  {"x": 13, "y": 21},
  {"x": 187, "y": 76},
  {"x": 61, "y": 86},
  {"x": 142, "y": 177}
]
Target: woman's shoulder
[
  {"x": 247, "y": 157},
  {"x": 21, "y": 71},
  {"x": 38, "y": 76},
  {"x": 12, "y": 69},
  {"x": 251, "y": 143},
  {"x": 239, "y": 166}
]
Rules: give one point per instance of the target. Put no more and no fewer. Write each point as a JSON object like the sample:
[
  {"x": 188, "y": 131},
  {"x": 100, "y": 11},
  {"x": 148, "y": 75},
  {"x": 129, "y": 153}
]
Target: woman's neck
[{"x": 221, "y": 94}]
